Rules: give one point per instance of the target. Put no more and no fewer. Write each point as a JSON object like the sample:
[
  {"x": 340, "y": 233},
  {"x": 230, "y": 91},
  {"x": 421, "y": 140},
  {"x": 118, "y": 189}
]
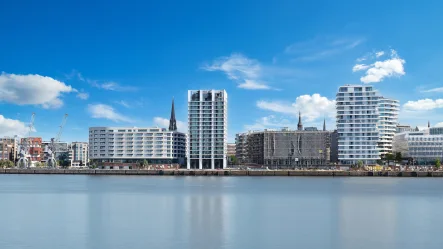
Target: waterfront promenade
[{"x": 325, "y": 173}]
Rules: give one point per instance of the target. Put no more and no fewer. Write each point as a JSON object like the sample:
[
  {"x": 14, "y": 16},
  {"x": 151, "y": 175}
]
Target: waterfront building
[
  {"x": 387, "y": 124},
  {"x": 241, "y": 147},
  {"x": 422, "y": 146},
  {"x": 231, "y": 149},
  {"x": 287, "y": 148},
  {"x": 403, "y": 128},
  {"x": 436, "y": 131},
  {"x": 79, "y": 154},
  {"x": 207, "y": 124},
  {"x": 35, "y": 148},
  {"x": 130, "y": 147},
  {"x": 60, "y": 148},
  {"x": 357, "y": 121},
  {"x": 9, "y": 148}
]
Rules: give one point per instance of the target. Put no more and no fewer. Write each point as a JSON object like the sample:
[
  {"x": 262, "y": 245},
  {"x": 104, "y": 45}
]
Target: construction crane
[
  {"x": 52, "y": 147},
  {"x": 23, "y": 161}
]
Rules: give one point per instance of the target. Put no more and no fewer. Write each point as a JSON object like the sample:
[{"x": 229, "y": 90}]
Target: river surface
[{"x": 132, "y": 212}]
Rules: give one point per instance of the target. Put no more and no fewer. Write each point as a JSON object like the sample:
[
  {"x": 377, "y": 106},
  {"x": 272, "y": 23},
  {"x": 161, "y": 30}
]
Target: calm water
[{"x": 118, "y": 212}]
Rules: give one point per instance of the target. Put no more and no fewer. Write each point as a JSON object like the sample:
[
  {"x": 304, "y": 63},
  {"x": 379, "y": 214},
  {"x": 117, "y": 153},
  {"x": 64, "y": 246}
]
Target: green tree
[
  {"x": 437, "y": 163},
  {"x": 233, "y": 159},
  {"x": 39, "y": 164},
  {"x": 144, "y": 164},
  {"x": 398, "y": 157},
  {"x": 9, "y": 164},
  {"x": 389, "y": 158},
  {"x": 360, "y": 163},
  {"x": 2, "y": 163}
]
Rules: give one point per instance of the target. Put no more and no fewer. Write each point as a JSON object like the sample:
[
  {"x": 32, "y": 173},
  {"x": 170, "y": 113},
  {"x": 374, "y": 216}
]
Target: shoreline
[{"x": 226, "y": 172}]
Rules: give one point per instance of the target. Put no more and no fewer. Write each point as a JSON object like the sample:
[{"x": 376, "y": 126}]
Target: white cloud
[
  {"x": 32, "y": 89},
  {"x": 423, "y": 105},
  {"x": 378, "y": 71},
  {"x": 253, "y": 85},
  {"x": 311, "y": 107},
  {"x": 434, "y": 90},
  {"x": 360, "y": 67},
  {"x": 83, "y": 95},
  {"x": 110, "y": 86},
  {"x": 246, "y": 72},
  {"x": 11, "y": 127},
  {"x": 107, "y": 112},
  {"x": 380, "y": 53},
  {"x": 164, "y": 123},
  {"x": 439, "y": 124}
]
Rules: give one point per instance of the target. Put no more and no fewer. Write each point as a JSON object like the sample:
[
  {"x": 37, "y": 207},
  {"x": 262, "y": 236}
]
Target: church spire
[
  {"x": 429, "y": 124},
  {"x": 300, "y": 125},
  {"x": 324, "y": 124},
  {"x": 172, "y": 121}
]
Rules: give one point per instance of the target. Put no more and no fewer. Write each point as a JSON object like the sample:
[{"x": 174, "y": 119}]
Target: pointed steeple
[
  {"x": 324, "y": 124},
  {"x": 429, "y": 124},
  {"x": 172, "y": 121},
  {"x": 299, "y": 125}
]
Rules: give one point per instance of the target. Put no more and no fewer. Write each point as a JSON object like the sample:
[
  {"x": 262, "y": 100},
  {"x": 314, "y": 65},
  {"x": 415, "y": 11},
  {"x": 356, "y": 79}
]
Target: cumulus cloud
[
  {"x": 11, "y": 127},
  {"x": 246, "y": 72},
  {"x": 439, "y": 124},
  {"x": 311, "y": 107},
  {"x": 378, "y": 71},
  {"x": 107, "y": 112},
  {"x": 32, "y": 89},
  {"x": 164, "y": 123},
  {"x": 423, "y": 105}
]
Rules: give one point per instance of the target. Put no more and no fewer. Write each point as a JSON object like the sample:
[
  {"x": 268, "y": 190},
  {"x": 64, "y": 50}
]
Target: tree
[
  {"x": 398, "y": 157},
  {"x": 389, "y": 158},
  {"x": 437, "y": 163},
  {"x": 39, "y": 164},
  {"x": 360, "y": 163},
  {"x": 144, "y": 164},
  {"x": 233, "y": 159},
  {"x": 63, "y": 160}
]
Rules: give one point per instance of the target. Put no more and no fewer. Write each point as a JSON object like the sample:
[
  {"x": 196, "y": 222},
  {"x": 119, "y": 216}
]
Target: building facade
[
  {"x": 403, "y": 128},
  {"x": 422, "y": 146},
  {"x": 9, "y": 148},
  {"x": 79, "y": 154},
  {"x": 231, "y": 149},
  {"x": 128, "y": 147},
  {"x": 436, "y": 131},
  {"x": 207, "y": 124},
  {"x": 357, "y": 121},
  {"x": 285, "y": 148},
  {"x": 241, "y": 147},
  {"x": 388, "y": 110},
  {"x": 35, "y": 148}
]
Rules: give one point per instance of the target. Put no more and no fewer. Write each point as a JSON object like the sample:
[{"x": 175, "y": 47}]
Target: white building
[
  {"x": 388, "y": 117},
  {"x": 128, "y": 147},
  {"x": 80, "y": 154},
  {"x": 207, "y": 119},
  {"x": 357, "y": 121},
  {"x": 422, "y": 146}
]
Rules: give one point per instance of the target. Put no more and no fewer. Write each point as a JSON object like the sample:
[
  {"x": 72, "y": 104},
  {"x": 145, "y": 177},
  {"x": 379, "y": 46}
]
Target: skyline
[{"x": 105, "y": 67}]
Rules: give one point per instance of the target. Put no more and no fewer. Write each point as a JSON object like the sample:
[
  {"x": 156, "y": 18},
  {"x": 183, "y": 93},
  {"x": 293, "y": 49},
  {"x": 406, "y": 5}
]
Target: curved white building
[{"x": 388, "y": 110}]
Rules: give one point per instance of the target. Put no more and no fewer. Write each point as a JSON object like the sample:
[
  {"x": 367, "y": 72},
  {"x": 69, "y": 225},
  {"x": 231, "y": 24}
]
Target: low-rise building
[
  {"x": 9, "y": 148},
  {"x": 421, "y": 146},
  {"x": 129, "y": 147}
]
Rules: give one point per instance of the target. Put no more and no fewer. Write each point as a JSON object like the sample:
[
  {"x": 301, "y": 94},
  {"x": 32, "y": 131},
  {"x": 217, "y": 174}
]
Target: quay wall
[{"x": 225, "y": 172}]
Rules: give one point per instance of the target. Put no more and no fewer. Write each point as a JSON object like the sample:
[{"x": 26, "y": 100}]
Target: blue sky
[{"x": 119, "y": 63}]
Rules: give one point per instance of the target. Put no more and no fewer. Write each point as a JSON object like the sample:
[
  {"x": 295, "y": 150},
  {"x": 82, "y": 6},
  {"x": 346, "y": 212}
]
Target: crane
[
  {"x": 23, "y": 161},
  {"x": 52, "y": 147}
]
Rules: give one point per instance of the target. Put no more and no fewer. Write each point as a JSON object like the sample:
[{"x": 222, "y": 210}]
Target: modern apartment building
[
  {"x": 207, "y": 124},
  {"x": 35, "y": 148},
  {"x": 424, "y": 147},
  {"x": 387, "y": 124},
  {"x": 403, "y": 128},
  {"x": 128, "y": 147},
  {"x": 357, "y": 124},
  {"x": 9, "y": 148},
  {"x": 80, "y": 154}
]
